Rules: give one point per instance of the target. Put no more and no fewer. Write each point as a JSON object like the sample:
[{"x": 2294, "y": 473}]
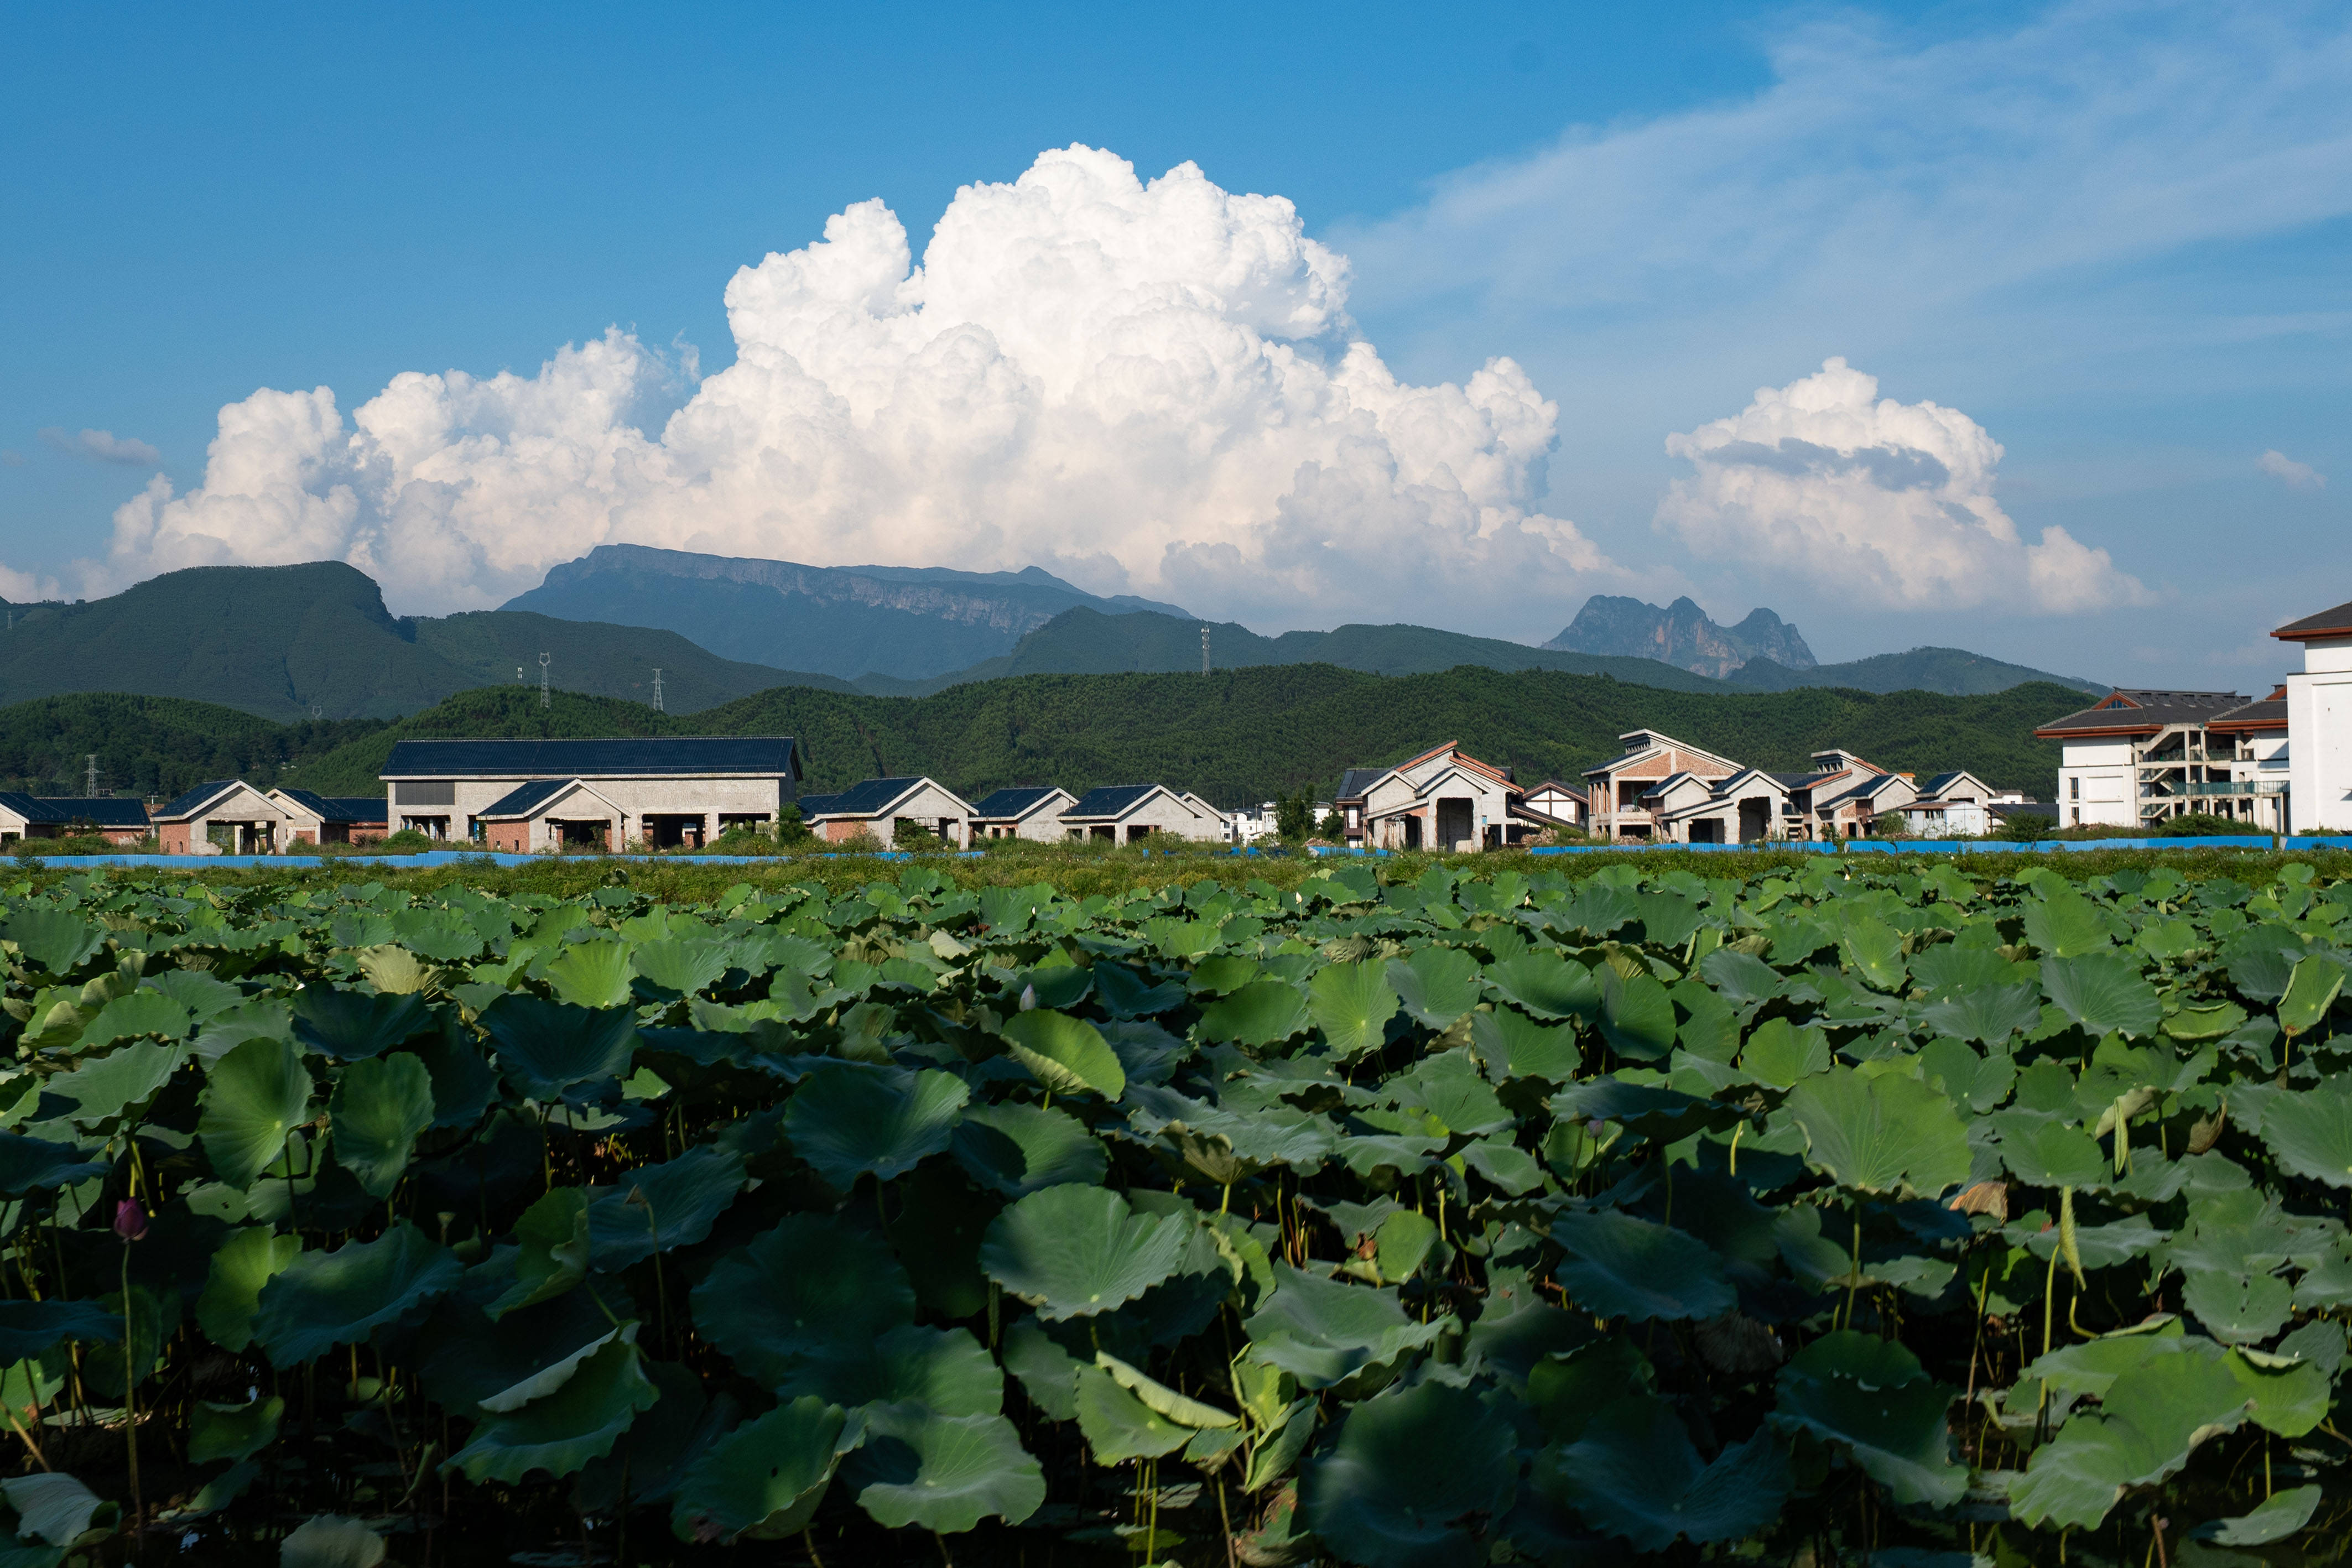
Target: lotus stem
[{"x": 131, "y": 1396}]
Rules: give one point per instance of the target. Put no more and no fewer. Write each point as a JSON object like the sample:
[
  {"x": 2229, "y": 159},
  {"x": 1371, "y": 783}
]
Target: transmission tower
[
  {"x": 1204, "y": 650},
  {"x": 658, "y": 706},
  {"x": 92, "y": 757},
  {"x": 542, "y": 680}
]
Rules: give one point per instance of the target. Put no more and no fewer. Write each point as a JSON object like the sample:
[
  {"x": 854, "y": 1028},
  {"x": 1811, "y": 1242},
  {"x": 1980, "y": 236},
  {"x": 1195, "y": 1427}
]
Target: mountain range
[
  {"x": 316, "y": 642},
  {"x": 903, "y": 622},
  {"x": 1682, "y": 635}
]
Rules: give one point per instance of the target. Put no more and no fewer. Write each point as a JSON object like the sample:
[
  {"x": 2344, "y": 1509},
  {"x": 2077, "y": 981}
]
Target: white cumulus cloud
[
  {"x": 2287, "y": 471},
  {"x": 104, "y": 446},
  {"x": 1824, "y": 482},
  {"x": 1151, "y": 387}
]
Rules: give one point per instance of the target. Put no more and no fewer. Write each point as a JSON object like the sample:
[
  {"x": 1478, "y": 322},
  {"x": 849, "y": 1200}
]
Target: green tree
[{"x": 1294, "y": 816}]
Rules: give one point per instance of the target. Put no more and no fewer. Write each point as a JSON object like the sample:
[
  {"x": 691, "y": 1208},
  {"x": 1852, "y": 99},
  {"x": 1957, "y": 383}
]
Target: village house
[
  {"x": 1956, "y": 804},
  {"x": 1445, "y": 798},
  {"x": 1745, "y": 808},
  {"x": 2136, "y": 757},
  {"x": 1030, "y": 812},
  {"x": 664, "y": 791},
  {"x": 1349, "y": 801},
  {"x": 1616, "y": 787},
  {"x": 881, "y": 808},
  {"x": 553, "y": 814},
  {"x": 1565, "y": 805},
  {"x": 118, "y": 821},
  {"x": 318, "y": 819},
  {"x": 1130, "y": 813},
  {"x": 223, "y": 817}
]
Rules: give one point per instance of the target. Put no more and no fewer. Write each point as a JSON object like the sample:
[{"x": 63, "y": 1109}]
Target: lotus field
[{"x": 1854, "y": 1213}]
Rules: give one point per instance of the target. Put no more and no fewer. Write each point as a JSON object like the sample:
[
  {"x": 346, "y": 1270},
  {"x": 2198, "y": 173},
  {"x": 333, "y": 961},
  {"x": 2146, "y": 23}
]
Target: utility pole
[
  {"x": 1204, "y": 650},
  {"x": 658, "y": 707},
  {"x": 542, "y": 680}
]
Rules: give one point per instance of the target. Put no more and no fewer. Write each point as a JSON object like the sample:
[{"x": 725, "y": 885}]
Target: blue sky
[{"x": 2112, "y": 238}]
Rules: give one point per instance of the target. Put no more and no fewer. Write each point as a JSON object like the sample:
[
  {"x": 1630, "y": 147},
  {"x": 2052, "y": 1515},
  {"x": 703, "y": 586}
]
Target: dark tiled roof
[
  {"x": 814, "y": 806},
  {"x": 363, "y": 809},
  {"x": 195, "y": 799},
  {"x": 1005, "y": 804},
  {"x": 2142, "y": 712},
  {"x": 1355, "y": 781},
  {"x": 522, "y": 802},
  {"x": 104, "y": 811},
  {"x": 2268, "y": 713},
  {"x": 866, "y": 799},
  {"x": 2337, "y": 621},
  {"x": 1109, "y": 801},
  {"x": 652, "y": 757},
  {"x": 1863, "y": 790}
]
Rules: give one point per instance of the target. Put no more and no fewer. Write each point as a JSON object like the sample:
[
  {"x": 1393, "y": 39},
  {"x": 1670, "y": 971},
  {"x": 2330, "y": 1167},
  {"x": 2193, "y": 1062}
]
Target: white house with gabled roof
[
  {"x": 1617, "y": 786},
  {"x": 881, "y": 807},
  {"x": 1030, "y": 811},
  {"x": 1745, "y": 808},
  {"x": 1130, "y": 813}
]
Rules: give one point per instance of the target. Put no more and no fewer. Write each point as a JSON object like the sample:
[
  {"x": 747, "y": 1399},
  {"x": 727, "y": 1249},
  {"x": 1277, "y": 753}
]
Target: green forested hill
[
  {"x": 152, "y": 747},
  {"x": 1241, "y": 735},
  {"x": 276, "y": 640},
  {"x": 1952, "y": 670}
]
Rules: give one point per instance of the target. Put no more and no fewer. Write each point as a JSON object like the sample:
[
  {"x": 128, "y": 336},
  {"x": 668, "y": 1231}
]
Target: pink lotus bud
[{"x": 129, "y": 1219}]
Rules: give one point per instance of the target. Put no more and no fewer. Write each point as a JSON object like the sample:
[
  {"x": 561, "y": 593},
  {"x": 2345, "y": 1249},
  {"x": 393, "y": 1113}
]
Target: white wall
[
  {"x": 2097, "y": 784},
  {"x": 2319, "y": 746}
]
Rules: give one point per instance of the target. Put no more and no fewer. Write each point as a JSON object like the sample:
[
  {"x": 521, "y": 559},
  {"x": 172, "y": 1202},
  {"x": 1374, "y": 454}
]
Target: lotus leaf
[
  {"x": 353, "y": 1025},
  {"x": 1873, "y": 949},
  {"x": 1547, "y": 985},
  {"x": 28, "y": 1328},
  {"x": 764, "y": 1480},
  {"x": 1514, "y": 1045},
  {"x": 104, "y": 1087},
  {"x": 1990, "y": 1014},
  {"x": 2066, "y": 924},
  {"x": 1259, "y": 1014},
  {"x": 545, "y": 1047},
  {"x": 1322, "y": 1332},
  {"x": 850, "y": 1121},
  {"x": 31, "y": 1164},
  {"x": 1881, "y": 1134},
  {"x": 2311, "y": 992},
  {"x": 1067, "y": 1055},
  {"x": 321, "y": 1300},
  {"x": 2041, "y": 1150},
  {"x": 57, "y": 1509},
  {"x": 2103, "y": 992},
  {"x": 1020, "y": 1149},
  {"x": 255, "y": 1095},
  {"x": 1374, "y": 1495},
  {"x": 1076, "y": 1251},
  {"x": 1619, "y": 1266},
  {"x": 2311, "y": 1133},
  {"x": 1634, "y": 1474},
  {"x": 1435, "y": 985},
  {"x": 2283, "y": 1515},
  {"x": 942, "y": 1473},
  {"x": 328, "y": 1540},
  {"x": 944, "y": 1370},
  {"x": 1780, "y": 1054},
  {"x": 232, "y": 1432},
  {"x": 1352, "y": 1004},
  {"x": 680, "y": 968},
  {"x": 1872, "y": 1397},
  {"x": 810, "y": 1287},
  {"x": 376, "y": 1113},
  {"x": 2148, "y": 1420},
  {"x": 246, "y": 1261},
  {"x": 142, "y": 1012},
  {"x": 580, "y": 1421},
  {"x": 52, "y": 938},
  {"x": 1118, "y": 1426},
  {"x": 656, "y": 1208}
]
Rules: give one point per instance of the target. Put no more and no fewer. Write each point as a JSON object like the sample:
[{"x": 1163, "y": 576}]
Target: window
[
  {"x": 426, "y": 792},
  {"x": 2075, "y": 792}
]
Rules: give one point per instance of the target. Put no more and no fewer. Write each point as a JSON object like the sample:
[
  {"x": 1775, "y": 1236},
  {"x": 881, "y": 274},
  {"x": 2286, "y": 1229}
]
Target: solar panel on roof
[{"x": 628, "y": 757}]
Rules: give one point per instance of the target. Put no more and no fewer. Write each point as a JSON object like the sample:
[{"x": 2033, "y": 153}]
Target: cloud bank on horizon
[
  {"x": 1150, "y": 388},
  {"x": 1146, "y": 387},
  {"x": 1824, "y": 481}
]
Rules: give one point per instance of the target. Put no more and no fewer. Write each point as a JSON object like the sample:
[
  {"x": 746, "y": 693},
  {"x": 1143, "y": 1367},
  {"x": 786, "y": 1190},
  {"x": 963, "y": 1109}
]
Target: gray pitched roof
[
  {"x": 103, "y": 810},
  {"x": 863, "y": 799},
  {"x": 814, "y": 806},
  {"x": 1005, "y": 804},
  {"x": 2336, "y": 623},
  {"x": 629, "y": 756},
  {"x": 1356, "y": 782},
  {"x": 524, "y": 800},
  {"x": 361, "y": 809},
  {"x": 2268, "y": 713},
  {"x": 195, "y": 799},
  {"x": 2136, "y": 712},
  {"x": 1109, "y": 801}
]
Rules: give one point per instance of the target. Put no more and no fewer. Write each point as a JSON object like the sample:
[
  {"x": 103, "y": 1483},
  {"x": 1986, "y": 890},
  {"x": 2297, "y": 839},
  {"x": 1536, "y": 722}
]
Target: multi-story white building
[
  {"x": 2319, "y": 722},
  {"x": 2137, "y": 757}
]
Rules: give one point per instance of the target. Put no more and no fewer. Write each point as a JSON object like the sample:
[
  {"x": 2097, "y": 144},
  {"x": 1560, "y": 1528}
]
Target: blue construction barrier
[
  {"x": 2319, "y": 841},
  {"x": 1952, "y": 846},
  {"x": 423, "y": 859}
]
